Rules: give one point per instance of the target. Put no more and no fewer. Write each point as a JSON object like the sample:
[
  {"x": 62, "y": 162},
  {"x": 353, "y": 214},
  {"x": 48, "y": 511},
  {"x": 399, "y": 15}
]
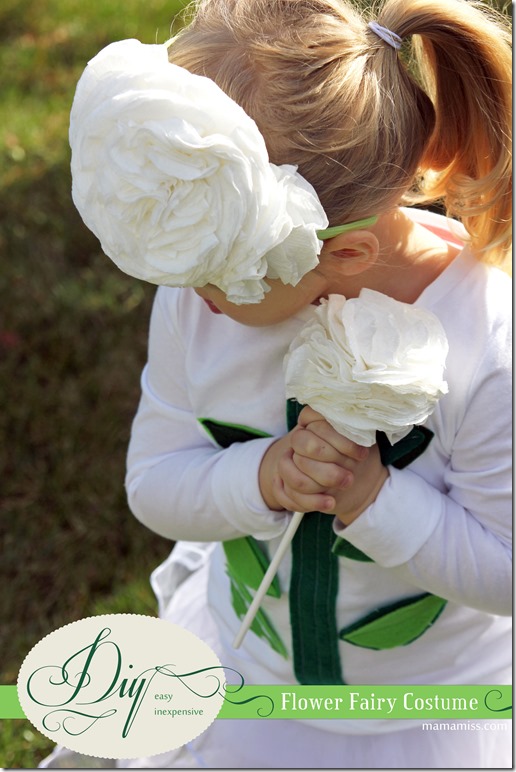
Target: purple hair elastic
[{"x": 389, "y": 37}]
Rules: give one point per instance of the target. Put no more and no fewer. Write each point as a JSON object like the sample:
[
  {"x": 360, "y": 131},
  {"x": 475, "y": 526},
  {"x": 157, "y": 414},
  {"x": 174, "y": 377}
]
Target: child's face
[{"x": 281, "y": 302}]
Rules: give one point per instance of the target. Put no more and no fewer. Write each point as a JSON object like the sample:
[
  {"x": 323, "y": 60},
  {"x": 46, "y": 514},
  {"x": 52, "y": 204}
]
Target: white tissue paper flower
[
  {"x": 174, "y": 179},
  {"x": 369, "y": 364}
]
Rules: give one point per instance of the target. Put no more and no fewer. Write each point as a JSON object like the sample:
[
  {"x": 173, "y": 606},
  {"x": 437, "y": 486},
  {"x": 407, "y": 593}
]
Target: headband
[
  {"x": 389, "y": 37},
  {"x": 174, "y": 179}
]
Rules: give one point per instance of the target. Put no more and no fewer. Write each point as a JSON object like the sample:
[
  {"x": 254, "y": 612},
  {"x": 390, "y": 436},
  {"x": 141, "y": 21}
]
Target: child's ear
[{"x": 356, "y": 251}]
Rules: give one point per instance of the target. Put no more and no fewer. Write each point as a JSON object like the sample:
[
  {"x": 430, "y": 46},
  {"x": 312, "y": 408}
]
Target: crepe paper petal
[
  {"x": 368, "y": 364},
  {"x": 174, "y": 179}
]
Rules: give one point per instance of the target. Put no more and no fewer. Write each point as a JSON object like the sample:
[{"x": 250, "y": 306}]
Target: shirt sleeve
[
  {"x": 454, "y": 540},
  {"x": 178, "y": 483}
]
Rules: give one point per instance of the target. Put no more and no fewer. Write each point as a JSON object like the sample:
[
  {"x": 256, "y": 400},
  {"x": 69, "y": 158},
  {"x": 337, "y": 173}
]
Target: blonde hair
[{"x": 368, "y": 127}]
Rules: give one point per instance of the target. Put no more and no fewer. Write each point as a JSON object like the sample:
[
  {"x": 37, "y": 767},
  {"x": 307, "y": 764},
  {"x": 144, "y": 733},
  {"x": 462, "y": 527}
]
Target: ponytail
[
  {"x": 368, "y": 129},
  {"x": 462, "y": 58}
]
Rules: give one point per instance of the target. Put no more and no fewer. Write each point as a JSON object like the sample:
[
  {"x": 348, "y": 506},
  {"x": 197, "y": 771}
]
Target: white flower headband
[{"x": 174, "y": 179}]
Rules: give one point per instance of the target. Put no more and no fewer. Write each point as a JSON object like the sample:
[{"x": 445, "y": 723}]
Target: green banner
[
  {"x": 338, "y": 702},
  {"x": 368, "y": 702},
  {"x": 9, "y": 703}
]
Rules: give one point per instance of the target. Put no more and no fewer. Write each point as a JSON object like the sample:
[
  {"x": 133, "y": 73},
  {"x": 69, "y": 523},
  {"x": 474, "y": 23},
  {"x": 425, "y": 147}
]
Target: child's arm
[
  {"x": 179, "y": 484},
  {"x": 450, "y": 537}
]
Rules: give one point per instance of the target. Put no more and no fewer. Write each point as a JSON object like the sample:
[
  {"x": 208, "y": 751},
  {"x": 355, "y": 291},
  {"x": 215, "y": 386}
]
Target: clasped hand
[{"x": 314, "y": 468}]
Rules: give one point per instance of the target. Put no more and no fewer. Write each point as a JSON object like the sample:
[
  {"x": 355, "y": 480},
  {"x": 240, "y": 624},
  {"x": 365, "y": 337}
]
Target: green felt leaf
[
  {"x": 247, "y": 562},
  {"x": 402, "y": 453},
  {"x": 241, "y": 599},
  {"x": 344, "y": 549},
  {"x": 397, "y": 624},
  {"x": 225, "y": 434}
]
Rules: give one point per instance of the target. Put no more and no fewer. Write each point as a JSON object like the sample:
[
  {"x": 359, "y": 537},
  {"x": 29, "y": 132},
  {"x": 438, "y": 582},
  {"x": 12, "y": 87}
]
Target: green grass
[{"x": 73, "y": 333}]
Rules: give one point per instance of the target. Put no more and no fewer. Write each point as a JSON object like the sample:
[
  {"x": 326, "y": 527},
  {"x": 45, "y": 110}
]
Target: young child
[{"x": 409, "y": 107}]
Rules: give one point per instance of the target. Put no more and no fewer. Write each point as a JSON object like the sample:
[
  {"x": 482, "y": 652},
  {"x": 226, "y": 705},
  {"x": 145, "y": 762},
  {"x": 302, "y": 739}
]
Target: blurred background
[{"x": 73, "y": 336}]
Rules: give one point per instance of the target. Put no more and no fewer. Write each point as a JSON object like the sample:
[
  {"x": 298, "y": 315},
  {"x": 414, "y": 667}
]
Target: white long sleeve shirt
[{"x": 442, "y": 525}]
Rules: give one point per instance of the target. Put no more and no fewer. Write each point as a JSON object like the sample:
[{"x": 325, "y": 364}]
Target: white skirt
[{"x": 180, "y": 585}]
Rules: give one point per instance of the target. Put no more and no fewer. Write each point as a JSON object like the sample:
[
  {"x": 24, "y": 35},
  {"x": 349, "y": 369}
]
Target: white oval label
[{"x": 121, "y": 686}]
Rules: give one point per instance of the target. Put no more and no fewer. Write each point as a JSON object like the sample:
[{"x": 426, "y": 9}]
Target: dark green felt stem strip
[{"x": 313, "y": 595}]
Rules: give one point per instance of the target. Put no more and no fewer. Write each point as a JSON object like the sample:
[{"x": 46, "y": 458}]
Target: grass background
[{"x": 73, "y": 334}]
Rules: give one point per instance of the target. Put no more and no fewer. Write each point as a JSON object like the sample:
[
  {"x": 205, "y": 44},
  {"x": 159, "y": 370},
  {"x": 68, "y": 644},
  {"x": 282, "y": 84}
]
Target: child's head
[{"x": 367, "y": 126}]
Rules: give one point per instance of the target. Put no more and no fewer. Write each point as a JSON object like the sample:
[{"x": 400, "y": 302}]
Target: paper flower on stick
[
  {"x": 369, "y": 364},
  {"x": 174, "y": 179}
]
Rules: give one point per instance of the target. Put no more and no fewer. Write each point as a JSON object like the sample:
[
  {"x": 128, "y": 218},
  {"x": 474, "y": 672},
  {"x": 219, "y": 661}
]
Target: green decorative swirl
[
  {"x": 498, "y": 696},
  {"x": 222, "y": 688},
  {"x": 262, "y": 711},
  {"x": 71, "y": 716}
]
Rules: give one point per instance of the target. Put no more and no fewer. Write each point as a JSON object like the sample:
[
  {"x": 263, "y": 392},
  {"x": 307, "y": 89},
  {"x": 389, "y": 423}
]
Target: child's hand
[
  {"x": 311, "y": 467},
  {"x": 350, "y": 474},
  {"x": 284, "y": 486}
]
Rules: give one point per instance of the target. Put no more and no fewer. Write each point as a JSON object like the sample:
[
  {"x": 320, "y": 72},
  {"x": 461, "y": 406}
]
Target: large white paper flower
[
  {"x": 174, "y": 179},
  {"x": 369, "y": 364}
]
